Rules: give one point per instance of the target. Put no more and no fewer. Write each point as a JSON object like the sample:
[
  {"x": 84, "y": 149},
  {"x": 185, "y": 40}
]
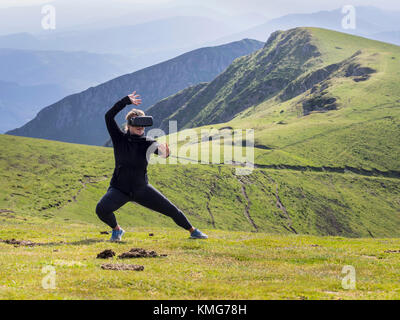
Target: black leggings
[{"x": 146, "y": 196}]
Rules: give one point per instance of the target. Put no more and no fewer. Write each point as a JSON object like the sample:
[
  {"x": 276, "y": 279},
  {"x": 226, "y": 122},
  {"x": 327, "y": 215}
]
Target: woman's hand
[
  {"x": 134, "y": 98},
  {"x": 163, "y": 150}
]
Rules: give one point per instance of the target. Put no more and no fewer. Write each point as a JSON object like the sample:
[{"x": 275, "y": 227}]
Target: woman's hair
[{"x": 131, "y": 114}]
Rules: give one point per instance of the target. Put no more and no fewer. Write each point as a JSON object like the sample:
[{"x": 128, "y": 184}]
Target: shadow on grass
[{"x": 85, "y": 242}]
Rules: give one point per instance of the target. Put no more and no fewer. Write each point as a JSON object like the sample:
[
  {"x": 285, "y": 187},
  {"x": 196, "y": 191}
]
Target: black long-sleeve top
[{"x": 129, "y": 152}]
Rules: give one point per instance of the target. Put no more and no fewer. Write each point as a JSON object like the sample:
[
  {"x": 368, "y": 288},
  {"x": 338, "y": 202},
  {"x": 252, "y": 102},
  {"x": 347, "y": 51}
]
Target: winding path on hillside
[
  {"x": 343, "y": 170},
  {"x": 240, "y": 179},
  {"x": 84, "y": 181}
]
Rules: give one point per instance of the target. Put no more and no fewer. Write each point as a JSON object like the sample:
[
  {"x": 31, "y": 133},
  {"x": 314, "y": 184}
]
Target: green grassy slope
[
  {"x": 362, "y": 133},
  {"x": 340, "y": 109},
  {"x": 49, "y": 191},
  {"x": 53, "y": 180}
]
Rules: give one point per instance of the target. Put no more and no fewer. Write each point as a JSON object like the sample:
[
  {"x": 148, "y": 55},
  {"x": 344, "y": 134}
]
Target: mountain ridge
[
  {"x": 67, "y": 120},
  {"x": 339, "y": 107}
]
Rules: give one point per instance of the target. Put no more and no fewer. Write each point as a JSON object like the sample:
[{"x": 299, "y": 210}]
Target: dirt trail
[
  {"x": 362, "y": 172},
  {"x": 209, "y": 195},
  {"x": 18, "y": 243},
  {"x": 6, "y": 211},
  {"x": 85, "y": 181},
  {"x": 88, "y": 180},
  {"x": 247, "y": 206},
  {"x": 280, "y": 205},
  {"x": 347, "y": 169}
]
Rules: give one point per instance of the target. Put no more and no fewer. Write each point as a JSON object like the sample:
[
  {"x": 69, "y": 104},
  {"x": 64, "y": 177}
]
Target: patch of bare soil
[
  {"x": 140, "y": 253},
  {"x": 392, "y": 251},
  {"x": 119, "y": 266},
  {"x": 6, "y": 211},
  {"x": 106, "y": 254},
  {"x": 18, "y": 243}
]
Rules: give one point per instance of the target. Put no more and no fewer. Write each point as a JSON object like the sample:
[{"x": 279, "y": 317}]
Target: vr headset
[{"x": 145, "y": 121}]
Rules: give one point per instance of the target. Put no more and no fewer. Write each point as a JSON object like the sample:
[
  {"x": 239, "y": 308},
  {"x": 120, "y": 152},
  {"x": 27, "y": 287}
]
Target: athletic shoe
[
  {"x": 117, "y": 235},
  {"x": 197, "y": 234}
]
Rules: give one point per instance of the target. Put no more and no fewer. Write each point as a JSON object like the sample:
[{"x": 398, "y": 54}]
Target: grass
[
  {"x": 54, "y": 204},
  {"x": 229, "y": 265}
]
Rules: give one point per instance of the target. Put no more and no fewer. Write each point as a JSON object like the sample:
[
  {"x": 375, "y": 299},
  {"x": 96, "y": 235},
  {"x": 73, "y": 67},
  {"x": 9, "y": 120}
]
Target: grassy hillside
[
  {"x": 53, "y": 180},
  {"x": 49, "y": 191},
  {"x": 363, "y": 130},
  {"x": 337, "y": 104}
]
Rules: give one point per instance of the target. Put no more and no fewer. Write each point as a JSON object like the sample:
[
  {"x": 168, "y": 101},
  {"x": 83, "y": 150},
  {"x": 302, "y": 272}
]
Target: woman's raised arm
[{"x": 112, "y": 127}]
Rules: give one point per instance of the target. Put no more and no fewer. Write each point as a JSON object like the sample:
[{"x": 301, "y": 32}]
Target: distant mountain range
[
  {"x": 150, "y": 38},
  {"x": 74, "y": 60},
  {"x": 19, "y": 104},
  {"x": 134, "y": 40},
  {"x": 70, "y": 70},
  {"x": 31, "y": 80},
  {"x": 166, "y": 35},
  {"x": 370, "y": 22},
  {"x": 95, "y": 15},
  {"x": 80, "y": 117},
  {"x": 153, "y": 42}
]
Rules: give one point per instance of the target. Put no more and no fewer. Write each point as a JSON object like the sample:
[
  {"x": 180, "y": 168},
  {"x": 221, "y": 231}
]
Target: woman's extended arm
[{"x": 112, "y": 127}]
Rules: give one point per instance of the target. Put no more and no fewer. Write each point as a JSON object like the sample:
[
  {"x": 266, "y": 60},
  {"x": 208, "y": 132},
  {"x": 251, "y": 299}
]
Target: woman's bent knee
[{"x": 100, "y": 210}]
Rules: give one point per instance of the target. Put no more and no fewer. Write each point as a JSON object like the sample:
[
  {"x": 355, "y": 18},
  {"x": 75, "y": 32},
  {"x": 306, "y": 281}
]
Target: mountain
[
  {"x": 325, "y": 109},
  {"x": 80, "y": 117},
  {"x": 100, "y": 14},
  {"x": 19, "y": 104},
  {"x": 316, "y": 99},
  {"x": 142, "y": 15},
  {"x": 143, "y": 43},
  {"x": 31, "y": 80},
  {"x": 249, "y": 81},
  {"x": 369, "y": 21},
  {"x": 71, "y": 70},
  {"x": 168, "y": 106},
  {"x": 131, "y": 39}
]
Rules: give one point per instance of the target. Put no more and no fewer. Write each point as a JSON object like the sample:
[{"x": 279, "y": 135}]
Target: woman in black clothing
[{"x": 129, "y": 181}]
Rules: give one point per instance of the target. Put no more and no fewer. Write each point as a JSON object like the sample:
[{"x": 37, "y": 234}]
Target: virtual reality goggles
[{"x": 145, "y": 121}]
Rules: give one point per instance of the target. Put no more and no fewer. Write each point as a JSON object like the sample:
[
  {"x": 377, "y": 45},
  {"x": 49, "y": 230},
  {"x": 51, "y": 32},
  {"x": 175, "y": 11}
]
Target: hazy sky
[
  {"x": 281, "y": 7},
  {"x": 72, "y": 14},
  {"x": 234, "y": 7}
]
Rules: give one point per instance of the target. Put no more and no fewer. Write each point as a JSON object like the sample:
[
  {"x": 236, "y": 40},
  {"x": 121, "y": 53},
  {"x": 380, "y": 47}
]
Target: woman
[{"x": 129, "y": 181}]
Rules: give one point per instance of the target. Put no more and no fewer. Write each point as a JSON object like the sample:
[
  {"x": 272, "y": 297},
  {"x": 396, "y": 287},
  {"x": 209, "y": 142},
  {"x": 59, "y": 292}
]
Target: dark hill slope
[{"x": 79, "y": 117}]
